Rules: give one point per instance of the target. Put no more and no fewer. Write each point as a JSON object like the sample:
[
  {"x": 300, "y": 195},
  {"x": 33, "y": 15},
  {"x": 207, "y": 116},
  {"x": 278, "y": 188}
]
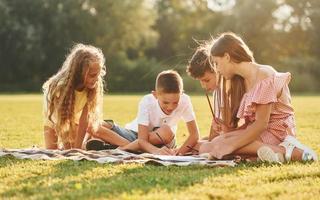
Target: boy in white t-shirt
[{"x": 155, "y": 126}]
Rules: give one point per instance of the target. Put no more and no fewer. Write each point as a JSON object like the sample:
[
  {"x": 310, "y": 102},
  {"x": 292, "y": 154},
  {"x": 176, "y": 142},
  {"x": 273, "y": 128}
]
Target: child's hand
[
  {"x": 217, "y": 148},
  {"x": 176, "y": 151},
  {"x": 220, "y": 148},
  {"x": 165, "y": 151},
  {"x": 218, "y": 126}
]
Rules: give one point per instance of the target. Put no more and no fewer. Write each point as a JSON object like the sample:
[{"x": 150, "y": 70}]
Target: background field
[{"x": 21, "y": 127}]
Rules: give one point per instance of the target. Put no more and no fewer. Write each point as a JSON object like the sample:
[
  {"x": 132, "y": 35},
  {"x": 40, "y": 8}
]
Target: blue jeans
[
  {"x": 125, "y": 133},
  {"x": 131, "y": 135}
]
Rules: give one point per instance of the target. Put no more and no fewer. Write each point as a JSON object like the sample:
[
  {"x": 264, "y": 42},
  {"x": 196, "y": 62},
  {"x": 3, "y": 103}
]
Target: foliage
[{"x": 142, "y": 37}]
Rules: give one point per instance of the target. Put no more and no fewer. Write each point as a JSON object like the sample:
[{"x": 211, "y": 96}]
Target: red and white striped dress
[{"x": 275, "y": 90}]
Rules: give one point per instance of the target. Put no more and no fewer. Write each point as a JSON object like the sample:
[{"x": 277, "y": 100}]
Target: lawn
[{"x": 21, "y": 127}]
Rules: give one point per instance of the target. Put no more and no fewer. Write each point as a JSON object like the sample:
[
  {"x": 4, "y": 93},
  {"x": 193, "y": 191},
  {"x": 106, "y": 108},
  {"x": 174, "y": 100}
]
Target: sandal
[
  {"x": 265, "y": 153},
  {"x": 291, "y": 142}
]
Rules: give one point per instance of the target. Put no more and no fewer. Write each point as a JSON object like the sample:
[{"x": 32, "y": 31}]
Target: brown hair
[
  {"x": 199, "y": 63},
  {"x": 169, "y": 81},
  {"x": 232, "y": 93},
  {"x": 228, "y": 97},
  {"x": 59, "y": 91},
  {"x": 233, "y": 45}
]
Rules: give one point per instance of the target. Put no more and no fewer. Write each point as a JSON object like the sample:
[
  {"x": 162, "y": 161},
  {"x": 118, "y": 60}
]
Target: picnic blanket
[{"x": 113, "y": 156}]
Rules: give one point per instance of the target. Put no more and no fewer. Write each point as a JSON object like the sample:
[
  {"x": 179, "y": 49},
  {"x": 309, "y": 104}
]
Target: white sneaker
[{"x": 265, "y": 153}]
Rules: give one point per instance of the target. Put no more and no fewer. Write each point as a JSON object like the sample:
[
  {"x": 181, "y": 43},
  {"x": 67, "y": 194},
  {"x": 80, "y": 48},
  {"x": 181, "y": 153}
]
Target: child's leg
[
  {"x": 133, "y": 146},
  {"x": 129, "y": 135},
  {"x": 161, "y": 136},
  {"x": 107, "y": 124},
  {"x": 110, "y": 136},
  {"x": 252, "y": 148}
]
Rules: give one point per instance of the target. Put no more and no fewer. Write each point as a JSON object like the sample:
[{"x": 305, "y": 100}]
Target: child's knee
[
  {"x": 107, "y": 124},
  {"x": 167, "y": 134}
]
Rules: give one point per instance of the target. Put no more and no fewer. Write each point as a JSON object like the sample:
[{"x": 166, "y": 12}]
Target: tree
[{"x": 36, "y": 36}]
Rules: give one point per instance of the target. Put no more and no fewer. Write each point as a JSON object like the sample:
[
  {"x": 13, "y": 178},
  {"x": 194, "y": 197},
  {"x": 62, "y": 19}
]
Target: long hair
[
  {"x": 224, "y": 109},
  {"x": 233, "y": 92},
  {"x": 227, "y": 99},
  {"x": 60, "y": 91}
]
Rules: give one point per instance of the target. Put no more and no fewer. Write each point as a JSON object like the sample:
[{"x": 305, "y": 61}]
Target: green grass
[{"x": 21, "y": 127}]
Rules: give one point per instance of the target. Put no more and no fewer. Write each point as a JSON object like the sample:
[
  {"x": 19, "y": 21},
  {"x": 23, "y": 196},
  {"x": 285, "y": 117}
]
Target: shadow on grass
[
  {"x": 62, "y": 184},
  {"x": 35, "y": 181},
  {"x": 9, "y": 160}
]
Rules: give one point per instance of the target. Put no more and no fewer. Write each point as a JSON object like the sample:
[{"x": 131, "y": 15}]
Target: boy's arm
[
  {"x": 192, "y": 139},
  {"x": 143, "y": 131}
]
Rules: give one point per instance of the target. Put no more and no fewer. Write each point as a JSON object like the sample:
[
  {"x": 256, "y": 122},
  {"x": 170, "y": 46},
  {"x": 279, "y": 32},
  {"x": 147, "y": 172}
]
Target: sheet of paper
[{"x": 178, "y": 158}]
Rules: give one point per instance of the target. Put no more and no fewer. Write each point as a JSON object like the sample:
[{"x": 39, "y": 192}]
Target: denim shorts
[
  {"x": 131, "y": 135},
  {"x": 125, "y": 133}
]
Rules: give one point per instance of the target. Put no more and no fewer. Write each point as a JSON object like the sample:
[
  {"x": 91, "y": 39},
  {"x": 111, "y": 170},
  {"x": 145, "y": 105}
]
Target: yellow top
[{"x": 80, "y": 102}]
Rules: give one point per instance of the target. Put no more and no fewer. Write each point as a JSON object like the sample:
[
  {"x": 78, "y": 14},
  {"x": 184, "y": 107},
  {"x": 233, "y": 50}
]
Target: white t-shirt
[{"x": 151, "y": 115}]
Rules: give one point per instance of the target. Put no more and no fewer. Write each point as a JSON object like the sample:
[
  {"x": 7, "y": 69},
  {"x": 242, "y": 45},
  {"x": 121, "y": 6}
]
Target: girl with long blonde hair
[{"x": 73, "y": 98}]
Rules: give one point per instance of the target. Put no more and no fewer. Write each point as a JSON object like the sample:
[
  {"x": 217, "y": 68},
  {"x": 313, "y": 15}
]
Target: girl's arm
[
  {"x": 229, "y": 142},
  {"x": 192, "y": 140},
  {"x": 241, "y": 137},
  {"x": 252, "y": 131},
  {"x": 82, "y": 128},
  {"x": 218, "y": 128},
  {"x": 50, "y": 138},
  {"x": 145, "y": 145}
]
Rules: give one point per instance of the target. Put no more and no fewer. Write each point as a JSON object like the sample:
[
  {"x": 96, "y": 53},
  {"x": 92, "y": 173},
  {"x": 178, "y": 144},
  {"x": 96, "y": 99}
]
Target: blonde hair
[{"x": 60, "y": 91}]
